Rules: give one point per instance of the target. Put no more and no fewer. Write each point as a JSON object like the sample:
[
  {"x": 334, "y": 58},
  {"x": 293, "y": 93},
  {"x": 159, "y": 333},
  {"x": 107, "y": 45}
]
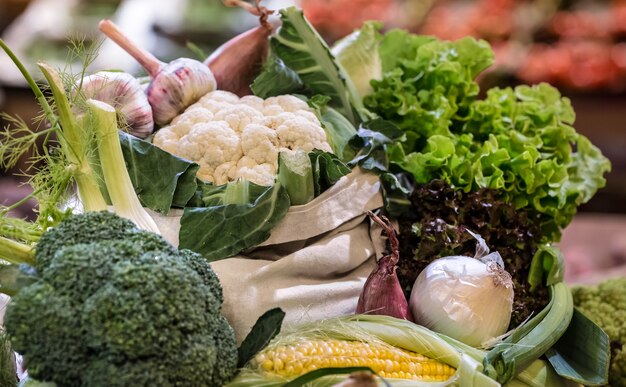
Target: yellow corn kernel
[{"x": 308, "y": 355}]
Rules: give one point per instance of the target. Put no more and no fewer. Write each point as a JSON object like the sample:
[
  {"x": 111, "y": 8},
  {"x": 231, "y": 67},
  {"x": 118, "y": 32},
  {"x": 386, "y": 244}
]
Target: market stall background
[{"x": 577, "y": 45}]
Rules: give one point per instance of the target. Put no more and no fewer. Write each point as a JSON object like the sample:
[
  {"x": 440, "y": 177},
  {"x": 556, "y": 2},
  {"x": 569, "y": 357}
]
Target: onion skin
[
  {"x": 236, "y": 63},
  {"x": 382, "y": 293}
]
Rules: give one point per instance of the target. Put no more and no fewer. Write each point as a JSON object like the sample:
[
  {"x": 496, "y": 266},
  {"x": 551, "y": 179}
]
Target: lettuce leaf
[
  {"x": 520, "y": 142},
  {"x": 358, "y": 53}
]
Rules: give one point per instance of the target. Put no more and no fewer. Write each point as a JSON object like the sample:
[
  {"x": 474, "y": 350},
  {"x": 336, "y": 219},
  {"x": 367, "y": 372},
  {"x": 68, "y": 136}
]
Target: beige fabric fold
[{"x": 314, "y": 264}]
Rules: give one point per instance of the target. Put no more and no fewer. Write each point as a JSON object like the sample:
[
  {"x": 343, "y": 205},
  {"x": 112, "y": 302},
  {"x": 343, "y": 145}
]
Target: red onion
[
  {"x": 236, "y": 63},
  {"x": 382, "y": 293}
]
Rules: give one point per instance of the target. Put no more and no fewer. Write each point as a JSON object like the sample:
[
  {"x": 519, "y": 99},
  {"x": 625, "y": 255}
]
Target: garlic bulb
[
  {"x": 174, "y": 86},
  {"x": 125, "y": 94},
  {"x": 468, "y": 299},
  {"x": 178, "y": 85}
]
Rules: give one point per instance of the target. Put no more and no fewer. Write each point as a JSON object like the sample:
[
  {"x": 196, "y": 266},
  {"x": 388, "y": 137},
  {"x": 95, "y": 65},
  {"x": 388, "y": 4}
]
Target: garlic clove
[{"x": 126, "y": 95}]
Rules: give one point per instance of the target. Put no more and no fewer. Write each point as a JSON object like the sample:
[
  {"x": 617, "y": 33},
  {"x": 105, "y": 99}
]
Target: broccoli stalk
[{"x": 118, "y": 183}]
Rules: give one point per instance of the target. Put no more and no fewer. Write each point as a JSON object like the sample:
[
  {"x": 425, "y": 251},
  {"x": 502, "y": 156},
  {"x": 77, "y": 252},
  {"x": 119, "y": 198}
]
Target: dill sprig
[{"x": 58, "y": 151}]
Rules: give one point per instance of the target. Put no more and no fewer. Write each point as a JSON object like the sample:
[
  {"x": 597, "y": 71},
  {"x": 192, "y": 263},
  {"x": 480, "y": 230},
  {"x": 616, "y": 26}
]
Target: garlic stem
[{"x": 148, "y": 61}]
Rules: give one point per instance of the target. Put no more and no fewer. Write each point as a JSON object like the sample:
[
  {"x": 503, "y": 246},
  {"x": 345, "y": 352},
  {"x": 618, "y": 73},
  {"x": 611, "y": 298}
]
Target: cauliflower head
[{"x": 232, "y": 137}]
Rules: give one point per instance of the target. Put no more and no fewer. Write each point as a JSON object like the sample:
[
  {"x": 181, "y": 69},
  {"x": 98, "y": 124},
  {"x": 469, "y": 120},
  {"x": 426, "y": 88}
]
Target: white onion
[{"x": 466, "y": 298}]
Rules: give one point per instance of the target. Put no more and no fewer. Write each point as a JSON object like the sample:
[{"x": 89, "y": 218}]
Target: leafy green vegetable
[
  {"x": 276, "y": 79},
  {"x": 431, "y": 83},
  {"x": 338, "y": 129},
  {"x": 535, "y": 337},
  {"x": 123, "y": 303},
  {"x": 518, "y": 141},
  {"x": 222, "y": 230},
  {"x": 583, "y": 353},
  {"x": 302, "y": 50},
  {"x": 161, "y": 179},
  {"x": 327, "y": 170},
  {"x": 359, "y": 56},
  {"x": 264, "y": 330}
]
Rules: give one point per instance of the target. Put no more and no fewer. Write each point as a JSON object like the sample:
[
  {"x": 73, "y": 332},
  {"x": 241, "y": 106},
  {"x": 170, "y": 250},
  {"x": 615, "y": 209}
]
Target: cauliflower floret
[
  {"x": 216, "y": 101},
  {"x": 309, "y": 115},
  {"x": 299, "y": 133},
  {"x": 167, "y": 139},
  {"x": 220, "y": 96},
  {"x": 261, "y": 174},
  {"x": 272, "y": 110},
  {"x": 253, "y": 101},
  {"x": 288, "y": 103},
  {"x": 225, "y": 172},
  {"x": 238, "y": 116},
  {"x": 260, "y": 143},
  {"x": 194, "y": 114},
  {"x": 274, "y": 121},
  {"x": 211, "y": 144}
]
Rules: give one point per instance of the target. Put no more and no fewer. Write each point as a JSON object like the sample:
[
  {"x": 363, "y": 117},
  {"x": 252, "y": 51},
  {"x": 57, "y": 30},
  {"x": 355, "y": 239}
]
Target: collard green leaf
[
  {"x": 276, "y": 79},
  {"x": 583, "y": 353},
  {"x": 264, "y": 330},
  {"x": 338, "y": 129},
  {"x": 327, "y": 170},
  {"x": 221, "y": 231},
  {"x": 304, "y": 51},
  {"x": 369, "y": 148},
  {"x": 161, "y": 179}
]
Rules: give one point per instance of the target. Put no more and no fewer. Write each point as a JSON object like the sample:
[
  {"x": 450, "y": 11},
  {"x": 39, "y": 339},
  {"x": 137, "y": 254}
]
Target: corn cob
[{"x": 388, "y": 362}]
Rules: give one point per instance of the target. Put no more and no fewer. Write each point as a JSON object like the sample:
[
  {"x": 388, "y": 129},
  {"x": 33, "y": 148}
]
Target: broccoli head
[
  {"x": 82, "y": 228},
  {"x": 605, "y": 304},
  {"x": 125, "y": 311}
]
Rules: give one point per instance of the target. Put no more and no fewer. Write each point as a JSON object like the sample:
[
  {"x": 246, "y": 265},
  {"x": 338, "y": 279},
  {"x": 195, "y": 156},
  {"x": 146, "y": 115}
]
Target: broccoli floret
[
  {"x": 605, "y": 304},
  {"x": 83, "y": 228},
  {"x": 203, "y": 268},
  {"x": 42, "y": 325},
  {"x": 127, "y": 312}
]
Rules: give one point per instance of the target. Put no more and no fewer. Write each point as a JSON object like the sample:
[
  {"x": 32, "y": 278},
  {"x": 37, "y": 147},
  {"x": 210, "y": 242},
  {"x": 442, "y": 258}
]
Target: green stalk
[
  {"x": 31, "y": 82},
  {"x": 295, "y": 173},
  {"x": 73, "y": 144},
  {"x": 512, "y": 356},
  {"x": 15, "y": 252},
  {"x": 118, "y": 183}
]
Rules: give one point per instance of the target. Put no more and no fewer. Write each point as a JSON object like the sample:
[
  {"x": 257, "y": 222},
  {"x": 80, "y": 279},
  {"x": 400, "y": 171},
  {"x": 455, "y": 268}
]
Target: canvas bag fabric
[{"x": 314, "y": 264}]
